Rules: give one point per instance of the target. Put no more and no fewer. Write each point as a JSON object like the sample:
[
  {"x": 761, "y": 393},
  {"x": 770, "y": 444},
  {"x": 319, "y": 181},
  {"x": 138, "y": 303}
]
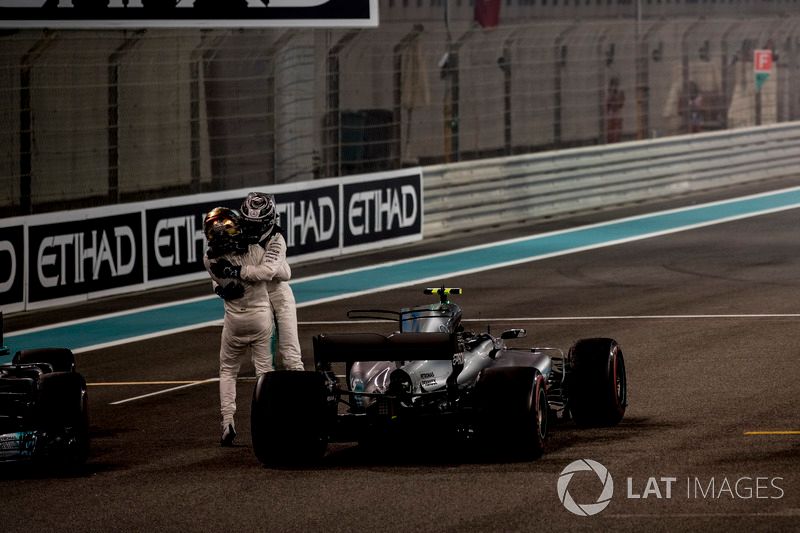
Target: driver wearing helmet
[
  {"x": 260, "y": 221},
  {"x": 239, "y": 273}
]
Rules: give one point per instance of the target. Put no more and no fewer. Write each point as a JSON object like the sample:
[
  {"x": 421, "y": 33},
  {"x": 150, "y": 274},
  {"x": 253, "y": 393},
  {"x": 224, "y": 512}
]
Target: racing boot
[{"x": 228, "y": 434}]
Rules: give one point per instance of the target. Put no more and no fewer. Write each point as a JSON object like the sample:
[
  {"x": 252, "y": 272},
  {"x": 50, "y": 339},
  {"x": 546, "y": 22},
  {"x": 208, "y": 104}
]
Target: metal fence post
[
  {"x": 198, "y": 59},
  {"x": 606, "y": 60},
  {"x": 113, "y": 112},
  {"x": 452, "y": 111},
  {"x": 728, "y": 73},
  {"x": 643, "y": 82},
  {"x": 397, "y": 60},
  {"x": 505, "y": 64},
  {"x": 685, "y": 75},
  {"x": 26, "y": 120},
  {"x": 560, "y": 51},
  {"x": 333, "y": 119}
]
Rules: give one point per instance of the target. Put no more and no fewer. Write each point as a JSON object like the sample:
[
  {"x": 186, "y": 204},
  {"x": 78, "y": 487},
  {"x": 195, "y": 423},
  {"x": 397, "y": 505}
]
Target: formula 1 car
[
  {"x": 432, "y": 376},
  {"x": 43, "y": 407}
]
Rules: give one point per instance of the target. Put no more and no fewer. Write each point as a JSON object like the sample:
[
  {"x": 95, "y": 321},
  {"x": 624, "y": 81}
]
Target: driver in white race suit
[
  {"x": 239, "y": 273},
  {"x": 261, "y": 226}
]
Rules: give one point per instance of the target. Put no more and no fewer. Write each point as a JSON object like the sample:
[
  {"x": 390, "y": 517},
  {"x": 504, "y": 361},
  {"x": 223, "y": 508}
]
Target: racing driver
[
  {"x": 239, "y": 274},
  {"x": 261, "y": 227}
]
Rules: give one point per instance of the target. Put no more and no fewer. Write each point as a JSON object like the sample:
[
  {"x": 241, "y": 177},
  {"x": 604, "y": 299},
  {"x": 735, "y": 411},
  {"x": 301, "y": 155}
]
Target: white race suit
[
  {"x": 285, "y": 309},
  {"x": 248, "y": 324}
]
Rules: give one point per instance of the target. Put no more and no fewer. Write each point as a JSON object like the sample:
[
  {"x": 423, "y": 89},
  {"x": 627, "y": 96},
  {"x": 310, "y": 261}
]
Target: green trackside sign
[{"x": 762, "y": 66}]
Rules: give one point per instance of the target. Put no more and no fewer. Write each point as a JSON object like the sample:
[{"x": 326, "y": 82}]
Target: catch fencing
[{"x": 91, "y": 118}]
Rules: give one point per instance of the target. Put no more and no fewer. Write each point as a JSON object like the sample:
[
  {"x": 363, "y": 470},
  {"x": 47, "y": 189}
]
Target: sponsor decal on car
[
  {"x": 17, "y": 445},
  {"x": 427, "y": 379}
]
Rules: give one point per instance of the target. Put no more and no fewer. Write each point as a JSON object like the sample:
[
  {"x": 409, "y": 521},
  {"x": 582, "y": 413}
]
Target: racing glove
[
  {"x": 232, "y": 291},
  {"x": 224, "y": 269}
]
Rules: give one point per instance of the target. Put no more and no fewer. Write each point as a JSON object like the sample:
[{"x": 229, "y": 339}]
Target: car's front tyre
[{"x": 597, "y": 382}]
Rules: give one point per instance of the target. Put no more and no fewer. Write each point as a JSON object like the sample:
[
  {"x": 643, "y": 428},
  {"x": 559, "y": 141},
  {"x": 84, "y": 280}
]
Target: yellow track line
[{"x": 760, "y": 433}]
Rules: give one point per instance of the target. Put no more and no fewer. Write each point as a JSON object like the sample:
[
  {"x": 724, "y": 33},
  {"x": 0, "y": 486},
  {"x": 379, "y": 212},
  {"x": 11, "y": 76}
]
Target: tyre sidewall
[
  {"x": 288, "y": 417},
  {"x": 594, "y": 367},
  {"x": 512, "y": 412}
]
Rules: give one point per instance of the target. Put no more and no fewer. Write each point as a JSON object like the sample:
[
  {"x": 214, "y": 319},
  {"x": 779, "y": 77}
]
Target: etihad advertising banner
[
  {"x": 70, "y": 256},
  {"x": 383, "y": 208},
  {"x": 308, "y": 216},
  {"x": 83, "y": 256},
  {"x": 82, "y": 14},
  {"x": 12, "y": 265}
]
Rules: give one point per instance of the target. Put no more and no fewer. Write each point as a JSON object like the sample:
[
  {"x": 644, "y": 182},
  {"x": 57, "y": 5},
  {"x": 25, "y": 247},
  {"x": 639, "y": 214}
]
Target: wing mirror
[{"x": 517, "y": 333}]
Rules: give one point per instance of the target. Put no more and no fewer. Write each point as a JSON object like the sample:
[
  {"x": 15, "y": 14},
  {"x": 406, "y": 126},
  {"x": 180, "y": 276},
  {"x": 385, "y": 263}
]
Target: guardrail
[{"x": 501, "y": 191}]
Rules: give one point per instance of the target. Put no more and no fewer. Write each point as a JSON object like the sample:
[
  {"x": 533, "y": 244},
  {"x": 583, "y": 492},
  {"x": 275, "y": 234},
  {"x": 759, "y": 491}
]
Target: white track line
[
  {"x": 10, "y": 335},
  {"x": 210, "y": 380},
  {"x": 148, "y": 336},
  {"x": 164, "y": 391},
  {"x": 481, "y": 320},
  {"x": 569, "y": 318}
]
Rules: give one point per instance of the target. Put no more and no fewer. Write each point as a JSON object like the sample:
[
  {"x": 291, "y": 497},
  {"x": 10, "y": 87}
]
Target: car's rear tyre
[
  {"x": 597, "y": 383},
  {"x": 63, "y": 415},
  {"x": 61, "y": 359},
  {"x": 512, "y": 411},
  {"x": 288, "y": 419}
]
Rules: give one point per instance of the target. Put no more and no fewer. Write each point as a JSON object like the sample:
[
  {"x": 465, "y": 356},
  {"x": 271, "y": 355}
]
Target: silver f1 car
[
  {"x": 433, "y": 377},
  {"x": 43, "y": 407}
]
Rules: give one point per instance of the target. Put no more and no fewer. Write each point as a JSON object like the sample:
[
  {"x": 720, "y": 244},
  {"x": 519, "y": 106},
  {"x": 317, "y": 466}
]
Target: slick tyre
[
  {"x": 597, "y": 383},
  {"x": 512, "y": 412},
  {"x": 63, "y": 415},
  {"x": 61, "y": 359},
  {"x": 288, "y": 418}
]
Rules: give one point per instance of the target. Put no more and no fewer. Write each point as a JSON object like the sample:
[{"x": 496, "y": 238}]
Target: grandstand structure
[{"x": 96, "y": 117}]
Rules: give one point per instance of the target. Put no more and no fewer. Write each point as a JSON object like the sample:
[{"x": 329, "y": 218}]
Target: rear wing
[{"x": 354, "y": 347}]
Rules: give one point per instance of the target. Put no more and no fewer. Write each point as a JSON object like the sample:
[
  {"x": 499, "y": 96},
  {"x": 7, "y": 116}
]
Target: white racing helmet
[{"x": 260, "y": 213}]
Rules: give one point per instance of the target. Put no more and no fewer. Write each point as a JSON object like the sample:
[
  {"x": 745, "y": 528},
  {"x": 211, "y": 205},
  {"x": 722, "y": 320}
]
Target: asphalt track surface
[{"x": 709, "y": 322}]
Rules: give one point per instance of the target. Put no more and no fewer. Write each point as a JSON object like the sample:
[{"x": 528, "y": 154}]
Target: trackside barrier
[
  {"x": 66, "y": 257},
  {"x": 502, "y": 191}
]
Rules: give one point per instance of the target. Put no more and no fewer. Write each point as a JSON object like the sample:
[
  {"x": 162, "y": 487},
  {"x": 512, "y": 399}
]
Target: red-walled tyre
[
  {"x": 597, "y": 383},
  {"x": 289, "y": 418},
  {"x": 512, "y": 412}
]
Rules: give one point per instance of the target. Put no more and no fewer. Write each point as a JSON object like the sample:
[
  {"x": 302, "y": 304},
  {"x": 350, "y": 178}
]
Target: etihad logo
[{"x": 58, "y": 254}]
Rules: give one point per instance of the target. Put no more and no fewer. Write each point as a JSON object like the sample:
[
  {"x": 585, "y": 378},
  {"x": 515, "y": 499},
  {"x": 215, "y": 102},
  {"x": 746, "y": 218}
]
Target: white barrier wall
[{"x": 493, "y": 192}]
